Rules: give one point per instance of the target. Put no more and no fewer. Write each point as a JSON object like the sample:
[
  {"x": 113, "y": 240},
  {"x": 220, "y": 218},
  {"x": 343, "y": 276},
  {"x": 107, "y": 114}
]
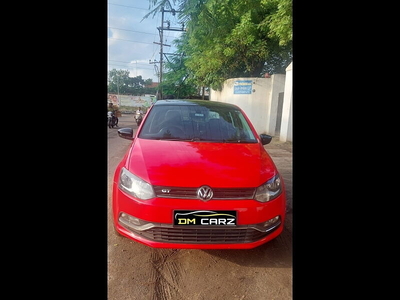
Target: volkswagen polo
[{"x": 197, "y": 175}]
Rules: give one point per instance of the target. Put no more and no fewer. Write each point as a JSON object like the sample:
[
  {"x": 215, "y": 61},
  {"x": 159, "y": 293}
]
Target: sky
[{"x": 131, "y": 40}]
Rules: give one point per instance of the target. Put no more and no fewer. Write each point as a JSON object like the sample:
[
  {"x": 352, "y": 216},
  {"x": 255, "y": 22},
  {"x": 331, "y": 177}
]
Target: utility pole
[
  {"x": 161, "y": 51},
  {"x": 160, "y": 30}
]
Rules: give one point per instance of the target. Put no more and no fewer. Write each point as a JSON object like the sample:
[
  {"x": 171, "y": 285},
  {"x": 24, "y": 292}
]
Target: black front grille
[
  {"x": 191, "y": 193},
  {"x": 192, "y": 235}
]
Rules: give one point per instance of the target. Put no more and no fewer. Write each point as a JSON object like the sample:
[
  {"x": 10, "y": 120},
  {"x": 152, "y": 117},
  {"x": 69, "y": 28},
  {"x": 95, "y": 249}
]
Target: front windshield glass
[{"x": 197, "y": 123}]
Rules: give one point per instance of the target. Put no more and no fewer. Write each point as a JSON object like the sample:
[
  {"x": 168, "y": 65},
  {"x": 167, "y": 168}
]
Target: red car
[{"x": 197, "y": 176}]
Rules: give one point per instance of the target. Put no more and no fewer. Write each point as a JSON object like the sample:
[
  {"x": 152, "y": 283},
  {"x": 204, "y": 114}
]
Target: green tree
[
  {"x": 230, "y": 38},
  {"x": 120, "y": 82},
  {"x": 148, "y": 82},
  {"x": 233, "y": 38},
  {"x": 177, "y": 76}
]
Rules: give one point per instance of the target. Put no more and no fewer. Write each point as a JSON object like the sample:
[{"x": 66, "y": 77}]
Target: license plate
[{"x": 205, "y": 217}]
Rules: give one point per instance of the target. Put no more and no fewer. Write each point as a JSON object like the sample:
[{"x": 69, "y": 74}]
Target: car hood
[{"x": 192, "y": 164}]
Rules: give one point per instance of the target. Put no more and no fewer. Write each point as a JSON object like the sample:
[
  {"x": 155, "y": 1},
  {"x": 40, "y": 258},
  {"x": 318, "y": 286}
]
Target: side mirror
[
  {"x": 265, "y": 139},
  {"x": 126, "y": 133}
]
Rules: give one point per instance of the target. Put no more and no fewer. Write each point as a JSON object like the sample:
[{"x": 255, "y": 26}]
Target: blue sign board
[{"x": 242, "y": 87}]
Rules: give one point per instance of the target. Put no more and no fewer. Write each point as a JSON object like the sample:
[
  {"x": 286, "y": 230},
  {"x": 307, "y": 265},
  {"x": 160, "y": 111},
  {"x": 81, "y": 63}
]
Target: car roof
[{"x": 206, "y": 103}]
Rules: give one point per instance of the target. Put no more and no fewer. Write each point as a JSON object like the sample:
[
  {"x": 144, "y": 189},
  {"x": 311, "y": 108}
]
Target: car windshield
[{"x": 197, "y": 123}]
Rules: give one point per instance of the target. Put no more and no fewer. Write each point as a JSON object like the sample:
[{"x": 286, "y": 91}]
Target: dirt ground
[{"x": 276, "y": 143}]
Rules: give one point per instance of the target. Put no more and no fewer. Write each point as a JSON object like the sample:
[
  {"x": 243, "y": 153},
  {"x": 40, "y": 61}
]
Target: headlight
[
  {"x": 135, "y": 186},
  {"x": 269, "y": 190}
]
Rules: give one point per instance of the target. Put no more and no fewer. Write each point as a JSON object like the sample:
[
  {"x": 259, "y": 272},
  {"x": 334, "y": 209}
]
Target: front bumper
[{"x": 151, "y": 222}]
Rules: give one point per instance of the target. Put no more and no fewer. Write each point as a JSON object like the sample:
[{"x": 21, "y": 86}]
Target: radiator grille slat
[{"x": 204, "y": 235}]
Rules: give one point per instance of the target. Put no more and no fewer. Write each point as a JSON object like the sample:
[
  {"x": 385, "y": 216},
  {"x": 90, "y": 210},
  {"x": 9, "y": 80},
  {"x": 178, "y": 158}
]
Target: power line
[
  {"x": 133, "y": 30},
  {"x": 161, "y": 43},
  {"x": 129, "y": 62},
  {"x": 130, "y": 41},
  {"x": 128, "y": 6},
  {"x": 111, "y": 64}
]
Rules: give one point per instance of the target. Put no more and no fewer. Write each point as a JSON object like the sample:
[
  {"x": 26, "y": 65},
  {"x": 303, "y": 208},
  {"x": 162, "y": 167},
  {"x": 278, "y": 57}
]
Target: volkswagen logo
[{"x": 205, "y": 193}]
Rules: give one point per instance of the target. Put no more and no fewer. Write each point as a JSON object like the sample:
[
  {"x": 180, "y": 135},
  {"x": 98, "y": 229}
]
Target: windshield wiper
[
  {"x": 171, "y": 139},
  {"x": 231, "y": 141},
  {"x": 196, "y": 139}
]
